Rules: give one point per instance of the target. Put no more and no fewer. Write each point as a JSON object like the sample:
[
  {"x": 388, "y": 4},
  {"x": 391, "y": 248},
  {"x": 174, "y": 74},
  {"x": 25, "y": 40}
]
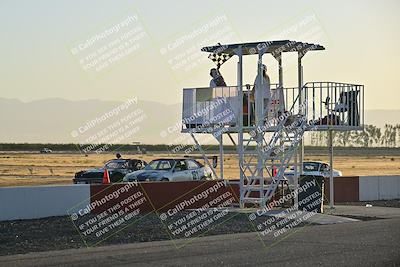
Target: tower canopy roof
[{"x": 274, "y": 47}]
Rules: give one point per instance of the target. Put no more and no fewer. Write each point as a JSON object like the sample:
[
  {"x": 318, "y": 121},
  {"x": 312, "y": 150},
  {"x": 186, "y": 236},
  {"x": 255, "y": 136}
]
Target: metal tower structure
[{"x": 269, "y": 134}]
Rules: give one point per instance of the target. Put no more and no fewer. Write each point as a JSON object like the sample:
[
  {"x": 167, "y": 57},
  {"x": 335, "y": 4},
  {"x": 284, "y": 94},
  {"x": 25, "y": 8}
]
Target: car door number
[{"x": 195, "y": 175}]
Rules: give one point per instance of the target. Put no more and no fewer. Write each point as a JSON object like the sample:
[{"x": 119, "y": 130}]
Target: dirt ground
[
  {"x": 57, "y": 233},
  {"x": 22, "y": 169}
]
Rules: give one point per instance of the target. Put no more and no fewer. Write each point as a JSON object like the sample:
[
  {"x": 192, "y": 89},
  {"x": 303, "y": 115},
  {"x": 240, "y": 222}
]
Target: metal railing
[
  {"x": 204, "y": 107},
  {"x": 325, "y": 105},
  {"x": 335, "y": 105}
]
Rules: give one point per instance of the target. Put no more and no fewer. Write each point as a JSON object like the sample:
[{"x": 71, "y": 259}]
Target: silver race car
[
  {"x": 185, "y": 169},
  {"x": 315, "y": 168}
]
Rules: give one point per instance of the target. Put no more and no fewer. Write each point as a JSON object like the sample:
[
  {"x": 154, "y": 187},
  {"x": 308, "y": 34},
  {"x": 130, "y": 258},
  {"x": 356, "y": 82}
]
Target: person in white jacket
[{"x": 262, "y": 89}]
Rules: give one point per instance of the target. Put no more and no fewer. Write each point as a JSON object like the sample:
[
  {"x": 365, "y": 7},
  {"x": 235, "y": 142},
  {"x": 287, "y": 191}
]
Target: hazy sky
[{"x": 60, "y": 48}]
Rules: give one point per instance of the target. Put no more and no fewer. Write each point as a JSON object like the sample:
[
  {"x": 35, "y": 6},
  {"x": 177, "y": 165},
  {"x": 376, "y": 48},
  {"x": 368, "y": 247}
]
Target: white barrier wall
[
  {"x": 18, "y": 203},
  {"x": 379, "y": 187},
  {"x": 42, "y": 201}
]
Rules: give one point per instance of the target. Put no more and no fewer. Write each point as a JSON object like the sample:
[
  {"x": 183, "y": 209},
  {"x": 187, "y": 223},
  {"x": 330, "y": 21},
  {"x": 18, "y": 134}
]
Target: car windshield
[
  {"x": 160, "y": 165},
  {"x": 192, "y": 164},
  {"x": 310, "y": 166},
  {"x": 116, "y": 165}
]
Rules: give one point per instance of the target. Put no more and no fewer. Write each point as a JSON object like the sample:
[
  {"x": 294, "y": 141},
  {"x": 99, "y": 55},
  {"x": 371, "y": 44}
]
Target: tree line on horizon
[{"x": 371, "y": 136}]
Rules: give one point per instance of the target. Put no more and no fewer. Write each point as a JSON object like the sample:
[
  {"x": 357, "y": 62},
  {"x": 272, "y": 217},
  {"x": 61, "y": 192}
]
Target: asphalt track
[{"x": 366, "y": 243}]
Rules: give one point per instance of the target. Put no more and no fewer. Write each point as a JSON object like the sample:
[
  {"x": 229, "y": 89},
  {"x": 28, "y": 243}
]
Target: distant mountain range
[
  {"x": 58, "y": 120},
  {"x": 63, "y": 121}
]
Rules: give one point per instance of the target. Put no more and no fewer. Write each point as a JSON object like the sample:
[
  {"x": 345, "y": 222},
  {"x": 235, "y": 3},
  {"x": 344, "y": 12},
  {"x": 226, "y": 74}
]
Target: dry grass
[{"x": 19, "y": 169}]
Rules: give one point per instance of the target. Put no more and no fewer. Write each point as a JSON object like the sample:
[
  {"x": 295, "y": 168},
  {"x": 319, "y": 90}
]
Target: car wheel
[{"x": 164, "y": 180}]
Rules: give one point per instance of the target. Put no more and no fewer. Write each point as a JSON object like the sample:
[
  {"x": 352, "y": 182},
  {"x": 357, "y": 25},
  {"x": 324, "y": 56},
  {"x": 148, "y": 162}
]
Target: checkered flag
[{"x": 219, "y": 59}]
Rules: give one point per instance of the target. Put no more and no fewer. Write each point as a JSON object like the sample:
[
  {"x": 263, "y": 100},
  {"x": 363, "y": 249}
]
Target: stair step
[
  {"x": 271, "y": 158},
  {"x": 250, "y": 152},
  {"x": 234, "y": 205},
  {"x": 255, "y": 187},
  {"x": 252, "y": 200},
  {"x": 251, "y": 164},
  {"x": 256, "y": 178}
]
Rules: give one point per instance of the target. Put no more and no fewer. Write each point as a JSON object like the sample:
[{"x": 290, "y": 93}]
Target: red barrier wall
[
  {"x": 162, "y": 196},
  {"x": 346, "y": 189}
]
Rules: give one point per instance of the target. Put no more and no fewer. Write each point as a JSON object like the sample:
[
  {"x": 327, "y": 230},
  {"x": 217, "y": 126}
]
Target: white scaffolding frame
[{"x": 261, "y": 168}]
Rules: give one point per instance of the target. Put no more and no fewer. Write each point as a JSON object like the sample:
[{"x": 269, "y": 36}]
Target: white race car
[
  {"x": 315, "y": 168},
  {"x": 185, "y": 169}
]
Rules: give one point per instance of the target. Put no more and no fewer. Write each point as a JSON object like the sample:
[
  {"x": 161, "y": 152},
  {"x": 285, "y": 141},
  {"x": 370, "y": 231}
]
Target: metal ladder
[{"x": 264, "y": 163}]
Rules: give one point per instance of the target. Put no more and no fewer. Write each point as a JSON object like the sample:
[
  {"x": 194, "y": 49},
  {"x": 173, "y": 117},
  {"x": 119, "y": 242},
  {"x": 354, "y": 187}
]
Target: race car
[
  {"x": 314, "y": 168},
  {"x": 46, "y": 151},
  {"x": 117, "y": 169},
  {"x": 184, "y": 169}
]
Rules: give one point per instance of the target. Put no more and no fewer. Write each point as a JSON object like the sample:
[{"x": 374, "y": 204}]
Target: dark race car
[{"x": 117, "y": 169}]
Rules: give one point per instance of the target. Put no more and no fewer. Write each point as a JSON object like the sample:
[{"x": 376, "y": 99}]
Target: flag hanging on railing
[{"x": 219, "y": 59}]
